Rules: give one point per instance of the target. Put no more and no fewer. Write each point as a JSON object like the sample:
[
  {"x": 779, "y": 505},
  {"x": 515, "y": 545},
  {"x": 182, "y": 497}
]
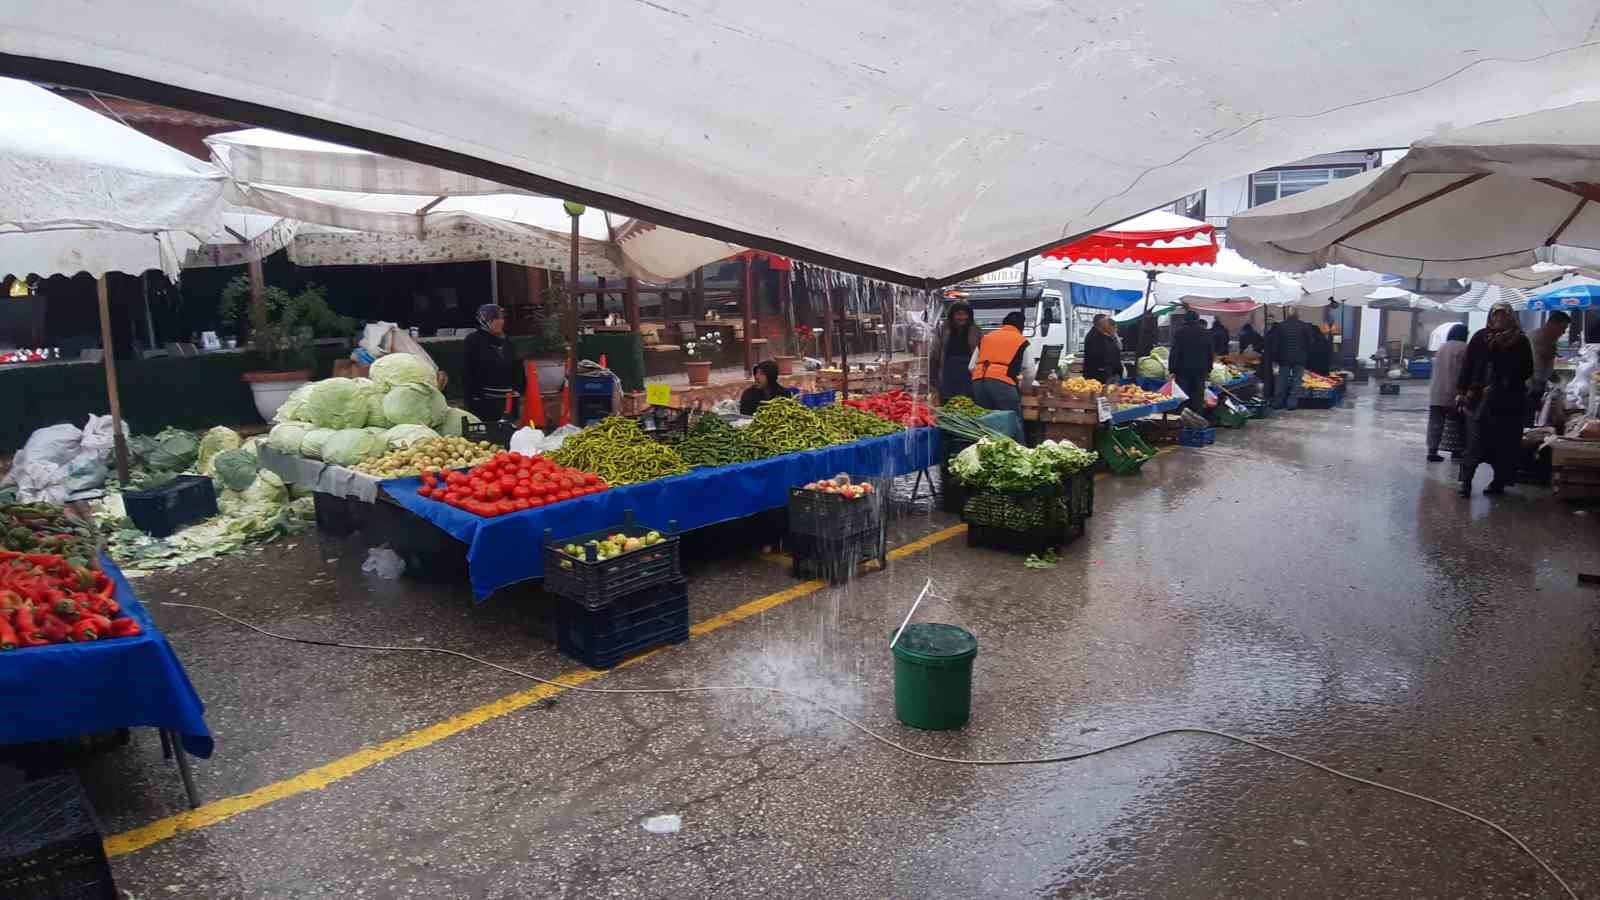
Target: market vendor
[
  {"x": 1000, "y": 355},
  {"x": 1543, "y": 341},
  {"x": 1102, "y": 353},
  {"x": 493, "y": 370},
  {"x": 953, "y": 345},
  {"x": 1190, "y": 360},
  {"x": 766, "y": 387}
]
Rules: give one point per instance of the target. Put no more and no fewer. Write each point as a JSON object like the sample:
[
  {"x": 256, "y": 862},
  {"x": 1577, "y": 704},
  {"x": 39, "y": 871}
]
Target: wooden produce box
[
  {"x": 1066, "y": 409},
  {"x": 1568, "y": 452},
  {"x": 1576, "y": 484},
  {"x": 1080, "y": 435}
]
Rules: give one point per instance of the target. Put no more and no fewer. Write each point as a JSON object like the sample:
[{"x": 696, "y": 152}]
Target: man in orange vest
[{"x": 1000, "y": 353}]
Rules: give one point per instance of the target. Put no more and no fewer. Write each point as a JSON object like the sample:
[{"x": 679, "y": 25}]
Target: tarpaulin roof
[
  {"x": 1155, "y": 239},
  {"x": 916, "y": 142},
  {"x": 82, "y": 193}
]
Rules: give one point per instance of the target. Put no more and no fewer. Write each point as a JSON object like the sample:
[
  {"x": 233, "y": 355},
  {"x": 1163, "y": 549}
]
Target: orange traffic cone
[
  {"x": 532, "y": 401},
  {"x": 566, "y": 406}
]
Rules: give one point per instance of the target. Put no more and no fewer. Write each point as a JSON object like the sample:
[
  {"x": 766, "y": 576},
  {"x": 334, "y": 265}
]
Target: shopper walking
[
  {"x": 492, "y": 372},
  {"x": 953, "y": 344},
  {"x": 1000, "y": 355},
  {"x": 1492, "y": 392},
  {"x": 1286, "y": 349},
  {"x": 1442, "y": 413},
  {"x": 1190, "y": 360},
  {"x": 1102, "y": 352}
]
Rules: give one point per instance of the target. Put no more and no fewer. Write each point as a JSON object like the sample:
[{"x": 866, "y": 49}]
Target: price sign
[
  {"x": 1104, "y": 406},
  {"x": 658, "y": 394}
]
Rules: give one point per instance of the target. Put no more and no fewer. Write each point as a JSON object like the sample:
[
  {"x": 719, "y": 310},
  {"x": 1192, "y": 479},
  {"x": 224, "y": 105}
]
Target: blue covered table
[
  {"x": 66, "y": 690},
  {"x": 1140, "y": 412},
  {"x": 507, "y": 549}
]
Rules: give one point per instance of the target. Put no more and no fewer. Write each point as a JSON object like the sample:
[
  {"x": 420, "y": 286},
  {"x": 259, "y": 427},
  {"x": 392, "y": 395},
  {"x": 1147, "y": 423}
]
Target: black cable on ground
[{"x": 932, "y": 757}]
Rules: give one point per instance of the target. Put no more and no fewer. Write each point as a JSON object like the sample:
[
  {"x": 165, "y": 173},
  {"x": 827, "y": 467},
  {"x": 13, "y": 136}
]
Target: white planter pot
[
  {"x": 552, "y": 373},
  {"x": 269, "y": 395}
]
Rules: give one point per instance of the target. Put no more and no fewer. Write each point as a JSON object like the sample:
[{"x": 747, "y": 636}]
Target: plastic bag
[
  {"x": 526, "y": 441},
  {"x": 384, "y": 563},
  {"x": 99, "y": 435},
  {"x": 555, "y": 439},
  {"x": 40, "y": 480},
  {"x": 1579, "y": 388},
  {"x": 53, "y": 444}
]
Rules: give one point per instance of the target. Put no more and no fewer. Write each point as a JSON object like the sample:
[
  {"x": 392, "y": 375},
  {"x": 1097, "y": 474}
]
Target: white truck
[{"x": 1049, "y": 318}]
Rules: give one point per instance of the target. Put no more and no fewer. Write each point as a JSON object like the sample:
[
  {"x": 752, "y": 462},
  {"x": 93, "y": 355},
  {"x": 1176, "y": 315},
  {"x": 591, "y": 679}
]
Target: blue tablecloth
[
  {"x": 1004, "y": 421},
  {"x": 507, "y": 549},
  {"x": 1139, "y": 412},
  {"x": 65, "y": 690}
]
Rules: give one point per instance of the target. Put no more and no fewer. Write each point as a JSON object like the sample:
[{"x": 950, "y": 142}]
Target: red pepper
[
  {"x": 8, "y": 635},
  {"x": 85, "y": 631},
  {"x": 102, "y": 625},
  {"x": 126, "y": 626},
  {"x": 65, "y": 607},
  {"x": 27, "y": 629},
  {"x": 54, "y": 628}
]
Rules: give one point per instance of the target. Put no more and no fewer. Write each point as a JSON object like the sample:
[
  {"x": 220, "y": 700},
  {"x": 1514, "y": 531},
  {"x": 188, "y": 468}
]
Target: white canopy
[
  {"x": 1472, "y": 202},
  {"x": 912, "y": 141},
  {"x": 386, "y": 210},
  {"x": 82, "y": 193}
]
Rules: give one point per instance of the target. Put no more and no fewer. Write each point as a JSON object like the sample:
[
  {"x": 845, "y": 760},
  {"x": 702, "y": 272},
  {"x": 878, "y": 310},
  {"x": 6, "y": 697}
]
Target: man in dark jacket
[
  {"x": 1219, "y": 337},
  {"x": 1319, "y": 350},
  {"x": 1102, "y": 353},
  {"x": 1190, "y": 360},
  {"x": 1286, "y": 348}
]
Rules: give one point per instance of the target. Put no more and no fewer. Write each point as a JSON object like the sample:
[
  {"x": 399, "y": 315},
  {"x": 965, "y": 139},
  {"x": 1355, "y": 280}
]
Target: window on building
[{"x": 1266, "y": 187}]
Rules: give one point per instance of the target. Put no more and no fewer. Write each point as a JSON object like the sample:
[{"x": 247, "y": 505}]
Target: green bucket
[{"x": 933, "y": 676}]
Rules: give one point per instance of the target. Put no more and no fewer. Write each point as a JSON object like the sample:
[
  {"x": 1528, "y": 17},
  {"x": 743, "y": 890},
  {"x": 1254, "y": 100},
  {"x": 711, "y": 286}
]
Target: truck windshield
[{"x": 990, "y": 313}]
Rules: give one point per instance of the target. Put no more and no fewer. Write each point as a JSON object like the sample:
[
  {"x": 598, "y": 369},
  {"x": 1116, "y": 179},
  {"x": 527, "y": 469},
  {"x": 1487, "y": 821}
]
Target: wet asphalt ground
[{"x": 1309, "y": 582}]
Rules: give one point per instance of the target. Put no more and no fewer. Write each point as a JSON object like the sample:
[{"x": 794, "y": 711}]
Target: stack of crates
[
  {"x": 619, "y": 607},
  {"x": 1122, "y": 450},
  {"x": 1056, "y": 515},
  {"x": 594, "y": 397},
  {"x": 50, "y": 844},
  {"x": 830, "y": 534}
]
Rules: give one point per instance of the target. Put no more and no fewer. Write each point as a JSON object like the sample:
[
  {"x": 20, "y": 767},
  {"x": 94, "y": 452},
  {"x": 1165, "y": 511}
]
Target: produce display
[
  {"x": 896, "y": 406},
  {"x": 713, "y": 442},
  {"x": 46, "y": 528},
  {"x": 860, "y": 424},
  {"x": 964, "y": 405},
  {"x": 1311, "y": 381},
  {"x": 1129, "y": 395},
  {"x": 1004, "y": 466},
  {"x": 613, "y": 546},
  {"x": 1154, "y": 365},
  {"x": 784, "y": 425},
  {"x": 1077, "y": 384},
  {"x": 841, "y": 486},
  {"x": 345, "y": 421},
  {"x": 428, "y": 454},
  {"x": 44, "y": 599},
  {"x": 508, "y": 483},
  {"x": 618, "y": 451}
]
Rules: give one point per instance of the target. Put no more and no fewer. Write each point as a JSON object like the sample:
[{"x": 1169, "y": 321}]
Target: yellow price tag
[{"x": 658, "y": 394}]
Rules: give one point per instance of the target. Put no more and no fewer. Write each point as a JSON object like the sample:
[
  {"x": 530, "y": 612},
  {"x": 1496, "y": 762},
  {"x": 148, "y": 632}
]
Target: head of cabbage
[
  {"x": 414, "y": 404},
  {"x": 337, "y": 403},
  {"x": 406, "y": 435},
  {"x": 286, "y": 437},
  {"x": 454, "y": 420},
  {"x": 314, "y": 441},
  {"x": 1151, "y": 367},
  {"x": 352, "y": 445},
  {"x": 213, "y": 442},
  {"x": 375, "y": 415},
  {"x": 174, "y": 451},
  {"x": 294, "y": 405},
  {"x": 402, "y": 368},
  {"x": 236, "y": 469}
]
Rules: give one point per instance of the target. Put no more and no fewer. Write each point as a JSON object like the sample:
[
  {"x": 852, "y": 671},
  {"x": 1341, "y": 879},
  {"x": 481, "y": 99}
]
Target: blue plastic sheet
[
  {"x": 507, "y": 549},
  {"x": 65, "y": 690},
  {"x": 1140, "y": 412}
]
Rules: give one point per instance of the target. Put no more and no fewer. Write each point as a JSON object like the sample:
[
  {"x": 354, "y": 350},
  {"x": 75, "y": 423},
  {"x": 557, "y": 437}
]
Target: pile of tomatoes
[{"x": 508, "y": 483}]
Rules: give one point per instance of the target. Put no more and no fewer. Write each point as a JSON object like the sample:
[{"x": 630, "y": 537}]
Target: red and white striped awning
[{"x": 1155, "y": 239}]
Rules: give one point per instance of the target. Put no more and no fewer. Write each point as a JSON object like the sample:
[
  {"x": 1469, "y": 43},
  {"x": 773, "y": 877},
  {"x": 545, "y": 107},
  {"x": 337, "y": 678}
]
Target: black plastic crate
[
  {"x": 430, "y": 553},
  {"x": 1080, "y": 494},
  {"x": 162, "y": 510},
  {"x": 497, "y": 433},
  {"x": 836, "y": 559},
  {"x": 50, "y": 845},
  {"x": 1035, "y": 540},
  {"x": 952, "y": 493},
  {"x": 334, "y": 514},
  {"x": 595, "y": 583},
  {"x": 820, "y": 514},
  {"x": 663, "y": 423},
  {"x": 632, "y": 624}
]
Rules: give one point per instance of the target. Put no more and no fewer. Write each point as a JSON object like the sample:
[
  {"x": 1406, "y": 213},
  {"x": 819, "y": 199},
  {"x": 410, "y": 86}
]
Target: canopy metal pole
[
  {"x": 258, "y": 287},
  {"x": 786, "y": 298},
  {"x": 749, "y": 301},
  {"x": 109, "y": 359},
  {"x": 149, "y": 322},
  {"x": 1022, "y": 298},
  {"x": 569, "y": 315}
]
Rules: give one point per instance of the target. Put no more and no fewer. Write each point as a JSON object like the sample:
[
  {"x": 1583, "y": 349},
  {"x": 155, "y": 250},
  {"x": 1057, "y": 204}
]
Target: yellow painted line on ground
[{"x": 324, "y": 775}]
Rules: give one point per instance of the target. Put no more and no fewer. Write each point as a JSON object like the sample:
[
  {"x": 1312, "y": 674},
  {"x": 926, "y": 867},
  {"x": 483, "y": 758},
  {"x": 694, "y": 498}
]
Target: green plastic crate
[
  {"x": 1230, "y": 418},
  {"x": 1123, "y": 450}
]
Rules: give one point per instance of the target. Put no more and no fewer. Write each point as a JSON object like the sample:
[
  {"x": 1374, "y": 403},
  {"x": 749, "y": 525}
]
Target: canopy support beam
[
  {"x": 746, "y": 304},
  {"x": 569, "y": 320},
  {"x": 630, "y": 303},
  {"x": 109, "y": 360},
  {"x": 1428, "y": 198}
]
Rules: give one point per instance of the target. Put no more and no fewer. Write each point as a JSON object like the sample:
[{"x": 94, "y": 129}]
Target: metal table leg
[{"x": 183, "y": 766}]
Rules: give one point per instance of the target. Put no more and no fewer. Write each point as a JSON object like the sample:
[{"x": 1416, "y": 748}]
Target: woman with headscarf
[
  {"x": 1491, "y": 392},
  {"x": 953, "y": 344},
  {"x": 766, "y": 387},
  {"x": 1442, "y": 414},
  {"x": 493, "y": 371}
]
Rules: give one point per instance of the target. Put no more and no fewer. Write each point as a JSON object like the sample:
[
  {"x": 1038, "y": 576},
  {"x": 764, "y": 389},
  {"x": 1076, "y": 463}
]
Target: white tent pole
[{"x": 109, "y": 359}]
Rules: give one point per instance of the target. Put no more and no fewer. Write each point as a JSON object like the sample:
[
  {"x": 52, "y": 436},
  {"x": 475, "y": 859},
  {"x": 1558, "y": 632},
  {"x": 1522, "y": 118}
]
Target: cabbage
[
  {"x": 375, "y": 414},
  {"x": 402, "y": 368},
  {"x": 174, "y": 451},
  {"x": 294, "y": 405},
  {"x": 1219, "y": 374},
  {"x": 336, "y": 403},
  {"x": 1161, "y": 353},
  {"x": 314, "y": 441},
  {"x": 252, "y": 446},
  {"x": 263, "y": 498},
  {"x": 414, "y": 404},
  {"x": 213, "y": 442},
  {"x": 286, "y": 437},
  {"x": 236, "y": 469},
  {"x": 406, "y": 435},
  {"x": 454, "y": 419},
  {"x": 1151, "y": 367},
  {"x": 352, "y": 445}
]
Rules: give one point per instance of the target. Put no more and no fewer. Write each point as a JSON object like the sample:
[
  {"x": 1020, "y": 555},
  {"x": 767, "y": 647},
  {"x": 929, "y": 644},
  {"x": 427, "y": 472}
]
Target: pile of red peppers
[
  {"x": 46, "y": 600},
  {"x": 896, "y": 406}
]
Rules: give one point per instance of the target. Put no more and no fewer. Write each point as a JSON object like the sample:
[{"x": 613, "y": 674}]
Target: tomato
[
  {"x": 564, "y": 495},
  {"x": 522, "y": 504},
  {"x": 535, "y": 503},
  {"x": 591, "y": 478},
  {"x": 520, "y": 492},
  {"x": 494, "y": 491}
]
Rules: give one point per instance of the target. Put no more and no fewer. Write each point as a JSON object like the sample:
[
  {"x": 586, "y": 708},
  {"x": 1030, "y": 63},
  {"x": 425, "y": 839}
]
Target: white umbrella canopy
[
  {"x": 1481, "y": 295},
  {"x": 853, "y": 135},
  {"x": 1471, "y": 202}
]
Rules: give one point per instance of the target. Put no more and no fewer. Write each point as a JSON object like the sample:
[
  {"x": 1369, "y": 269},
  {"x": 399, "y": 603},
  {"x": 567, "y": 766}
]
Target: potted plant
[
  {"x": 549, "y": 353},
  {"x": 281, "y": 332},
  {"x": 701, "y": 352}
]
